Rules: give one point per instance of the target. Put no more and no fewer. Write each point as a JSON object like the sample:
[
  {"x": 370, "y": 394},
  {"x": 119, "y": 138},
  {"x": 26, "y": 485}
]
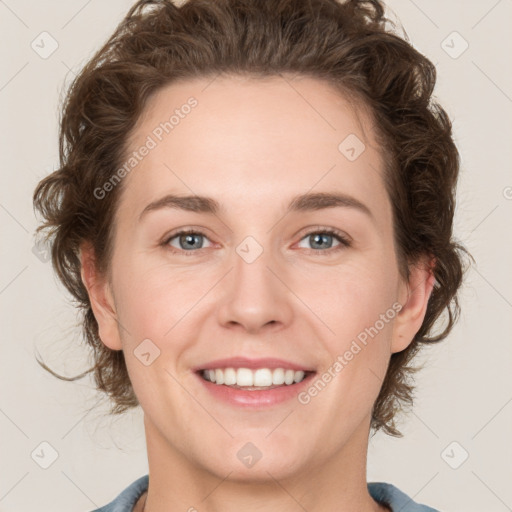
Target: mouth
[
  {"x": 254, "y": 388},
  {"x": 254, "y": 379}
]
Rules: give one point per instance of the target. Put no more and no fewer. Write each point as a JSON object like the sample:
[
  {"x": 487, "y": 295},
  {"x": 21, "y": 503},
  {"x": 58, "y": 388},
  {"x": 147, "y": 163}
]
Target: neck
[{"x": 335, "y": 481}]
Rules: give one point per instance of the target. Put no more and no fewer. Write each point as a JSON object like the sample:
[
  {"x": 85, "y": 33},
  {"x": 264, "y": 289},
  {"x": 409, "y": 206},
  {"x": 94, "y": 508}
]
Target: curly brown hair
[{"x": 349, "y": 45}]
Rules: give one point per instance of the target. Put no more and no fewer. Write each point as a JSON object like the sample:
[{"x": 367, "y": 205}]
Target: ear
[
  {"x": 413, "y": 296},
  {"x": 101, "y": 298}
]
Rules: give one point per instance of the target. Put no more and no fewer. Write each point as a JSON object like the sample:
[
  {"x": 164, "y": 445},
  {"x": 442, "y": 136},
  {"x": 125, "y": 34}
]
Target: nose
[{"x": 255, "y": 295}]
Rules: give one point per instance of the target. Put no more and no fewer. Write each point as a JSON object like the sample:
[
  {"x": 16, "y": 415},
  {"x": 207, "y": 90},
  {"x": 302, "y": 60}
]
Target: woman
[{"x": 254, "y": 208}]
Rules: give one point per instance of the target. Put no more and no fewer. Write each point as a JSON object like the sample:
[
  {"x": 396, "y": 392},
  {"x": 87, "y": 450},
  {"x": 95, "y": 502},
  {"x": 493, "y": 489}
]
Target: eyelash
[{"x": 344, "y": 241}]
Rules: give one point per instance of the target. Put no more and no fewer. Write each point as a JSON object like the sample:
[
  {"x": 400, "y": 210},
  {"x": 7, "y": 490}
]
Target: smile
[
  {"x": 254, "y": 388},
  {"x": 260, "y": 378}
]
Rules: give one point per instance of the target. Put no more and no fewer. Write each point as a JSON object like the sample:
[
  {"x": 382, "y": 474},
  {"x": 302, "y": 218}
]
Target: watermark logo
[
  {"x": 249, "y": 249},
  {"x": 454, "y": 45},
  {"x": 249, "y": 455},
  {"x": 42, "y": 251},
  {"x": 44, "y": 455},
  {"x": 351, "y": 147},
  {"x": 44, "y": 45},
  {"x": 146, "y": 352},
  {"x": 454, "y": 455}
]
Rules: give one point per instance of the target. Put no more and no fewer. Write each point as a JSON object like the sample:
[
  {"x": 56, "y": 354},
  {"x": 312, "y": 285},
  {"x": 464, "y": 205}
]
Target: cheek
[
  {"x": 356, "y": 303},
  {"x": 351, "y": 297},
  {"x": 153, "y": 298}
]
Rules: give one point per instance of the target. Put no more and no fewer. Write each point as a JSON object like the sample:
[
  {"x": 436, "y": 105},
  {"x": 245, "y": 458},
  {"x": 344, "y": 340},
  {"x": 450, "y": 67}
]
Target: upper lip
[{"x": 244, "y": 362}]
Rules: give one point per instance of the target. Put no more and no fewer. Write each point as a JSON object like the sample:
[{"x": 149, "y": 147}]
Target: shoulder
[
  {"x": 394, "y": 498},
  {"x": 382, "y": 492},
  {"x": 125, "y": 501}
]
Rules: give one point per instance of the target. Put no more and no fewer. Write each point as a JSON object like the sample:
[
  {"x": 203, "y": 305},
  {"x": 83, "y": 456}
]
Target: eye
[
  {"x": 187, "y": 240},
  {"x": 190, "y": 241},
  {"x": 322, "y": 240}
]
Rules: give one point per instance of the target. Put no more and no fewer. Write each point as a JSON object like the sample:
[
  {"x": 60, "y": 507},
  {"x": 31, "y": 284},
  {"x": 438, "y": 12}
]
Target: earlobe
[
  {"x": 101, "y": 298},
  {"x": 415, "y": 295}
]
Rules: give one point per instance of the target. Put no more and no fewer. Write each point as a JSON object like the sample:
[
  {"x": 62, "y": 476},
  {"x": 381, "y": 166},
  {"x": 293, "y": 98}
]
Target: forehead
[{"x": 253, "y": 141}]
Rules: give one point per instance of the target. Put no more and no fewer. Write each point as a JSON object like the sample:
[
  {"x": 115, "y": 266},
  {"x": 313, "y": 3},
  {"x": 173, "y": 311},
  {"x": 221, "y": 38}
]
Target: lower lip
[{"x": 256, "y": 398}]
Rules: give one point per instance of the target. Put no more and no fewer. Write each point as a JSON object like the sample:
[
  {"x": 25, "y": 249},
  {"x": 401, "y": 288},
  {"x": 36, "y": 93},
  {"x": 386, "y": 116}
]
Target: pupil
[
  {"x": 189, "y": 239},
  {"x": 319, "y": 238}
]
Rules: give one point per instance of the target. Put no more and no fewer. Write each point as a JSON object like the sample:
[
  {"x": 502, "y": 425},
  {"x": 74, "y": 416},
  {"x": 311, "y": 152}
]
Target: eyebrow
[{"x": 301, "y": 203}]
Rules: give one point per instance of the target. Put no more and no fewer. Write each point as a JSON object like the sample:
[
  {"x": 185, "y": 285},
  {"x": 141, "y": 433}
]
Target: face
[{"x": 290, "y": 261}]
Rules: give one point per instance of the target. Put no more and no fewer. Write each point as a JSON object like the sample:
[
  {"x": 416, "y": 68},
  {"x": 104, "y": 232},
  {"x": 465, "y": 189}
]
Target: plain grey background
[{"x": 456, "y": 453}]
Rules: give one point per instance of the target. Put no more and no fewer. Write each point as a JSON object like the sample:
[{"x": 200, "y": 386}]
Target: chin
[{"x": 250, "y": 462}]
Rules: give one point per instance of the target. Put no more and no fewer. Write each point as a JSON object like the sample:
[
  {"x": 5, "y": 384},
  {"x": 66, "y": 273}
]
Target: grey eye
[{"x": 187, "y": 241}]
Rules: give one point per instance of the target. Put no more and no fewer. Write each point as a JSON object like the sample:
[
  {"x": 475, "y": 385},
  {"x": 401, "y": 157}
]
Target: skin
[{"x": 252, "y": 145}]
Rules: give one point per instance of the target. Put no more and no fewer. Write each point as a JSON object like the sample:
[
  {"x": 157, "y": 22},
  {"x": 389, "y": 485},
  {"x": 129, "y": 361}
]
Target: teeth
[
  {"x": 245, "y": 377},
  {"x": 278, "y": 376},
  {"x": 263, "y": 377},
  {"x": 229, "y": 376}
]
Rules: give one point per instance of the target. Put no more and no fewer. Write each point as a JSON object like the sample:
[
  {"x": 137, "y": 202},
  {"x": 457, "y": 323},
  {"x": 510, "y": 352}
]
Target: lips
[
  {"x": 253, "y": 364},
  {"x": 253, "y": 398},
  {"x": 221, "y": 378}
]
